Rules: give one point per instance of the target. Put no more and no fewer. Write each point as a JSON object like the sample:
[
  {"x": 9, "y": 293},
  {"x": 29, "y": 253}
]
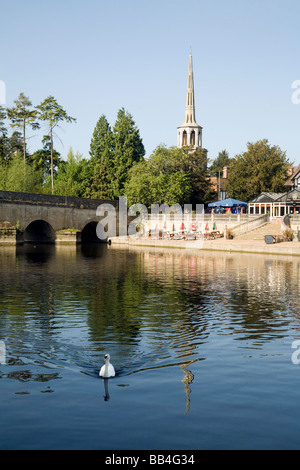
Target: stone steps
[{"x": 259, "y": 233}]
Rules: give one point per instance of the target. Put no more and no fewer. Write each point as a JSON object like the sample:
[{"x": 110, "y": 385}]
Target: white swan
[{"x": 108, "y": 369}]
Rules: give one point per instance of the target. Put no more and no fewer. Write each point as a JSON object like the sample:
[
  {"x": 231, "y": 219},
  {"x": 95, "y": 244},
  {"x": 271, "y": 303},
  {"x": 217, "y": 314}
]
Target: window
[{"x": 193, "y": 138}]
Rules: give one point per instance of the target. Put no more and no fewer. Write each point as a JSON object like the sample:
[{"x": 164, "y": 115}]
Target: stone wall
[
  {"x": 49, "y": 200},
  {"x": 20, "y": 210}
]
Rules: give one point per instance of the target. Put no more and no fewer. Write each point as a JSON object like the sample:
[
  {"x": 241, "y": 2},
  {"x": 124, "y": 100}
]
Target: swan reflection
[{"x": 106, "y": 395}]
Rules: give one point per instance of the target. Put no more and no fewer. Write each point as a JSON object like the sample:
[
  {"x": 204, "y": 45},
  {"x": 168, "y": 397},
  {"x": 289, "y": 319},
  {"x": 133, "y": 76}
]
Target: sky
[{"x": 97, "y": 56}]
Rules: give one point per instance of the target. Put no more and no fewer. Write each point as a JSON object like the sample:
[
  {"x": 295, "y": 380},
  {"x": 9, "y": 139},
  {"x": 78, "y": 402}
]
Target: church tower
[{"x": 190, "y": 133}]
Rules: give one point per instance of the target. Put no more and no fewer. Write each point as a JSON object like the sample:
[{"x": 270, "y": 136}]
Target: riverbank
[{"x": 221, "y": 244}]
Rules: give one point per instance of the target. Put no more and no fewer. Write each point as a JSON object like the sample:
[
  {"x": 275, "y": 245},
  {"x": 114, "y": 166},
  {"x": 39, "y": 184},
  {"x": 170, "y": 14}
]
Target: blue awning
[{"x": 228, "y": 203}]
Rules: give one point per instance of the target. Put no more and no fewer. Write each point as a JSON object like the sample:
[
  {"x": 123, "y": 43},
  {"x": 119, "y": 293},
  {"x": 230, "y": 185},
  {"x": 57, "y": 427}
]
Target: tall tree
[
  {"x": 261, "y": 168},
  {"x": 41, "y": 159},
  {"x": 128, "y": 149},
  {"x": 219, "y": 163},
  {"x": 22, "y": 115},
  {"x": 101, "y": 162},
  {"x": 15, "y": 143},
  {"x": 53, "y": 113},
  {"x": 4, "y": 140}
]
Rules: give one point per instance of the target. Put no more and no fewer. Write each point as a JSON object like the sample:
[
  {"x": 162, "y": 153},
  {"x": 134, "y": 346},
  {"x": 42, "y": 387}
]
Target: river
[{"x": 204, "y": 346}]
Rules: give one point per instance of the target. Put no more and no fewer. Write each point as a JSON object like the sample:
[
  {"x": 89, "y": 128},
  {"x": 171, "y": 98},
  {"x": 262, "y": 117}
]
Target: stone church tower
[{"x": 190, "y": 133}]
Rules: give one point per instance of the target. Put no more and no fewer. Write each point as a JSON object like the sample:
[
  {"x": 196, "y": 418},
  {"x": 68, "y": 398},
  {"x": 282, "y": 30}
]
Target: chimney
[{"x": 225, "y": 172}]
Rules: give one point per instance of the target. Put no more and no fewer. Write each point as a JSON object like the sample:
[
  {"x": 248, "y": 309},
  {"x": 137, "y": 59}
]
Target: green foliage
[
  {"x": 4, "y": 140},
  {"x": 117, "y": 165},
  {"x": 15, "y": 143},
  {"x": 19, "y": 175},
  {"x": 113, "y": 153},
  {"x": 41, "y": 159},
  {"x": 128, "y": 150},
  {"x": 73, "y": 177},
  {"x": 261, "y": 168},
  {"x": 101, "y": 162},
  {"x": 170, "y": 176},
  {"x": 219, "y": 163},
  {"x": 52, "y": 113},
  {"x": 22, "y": 115}
]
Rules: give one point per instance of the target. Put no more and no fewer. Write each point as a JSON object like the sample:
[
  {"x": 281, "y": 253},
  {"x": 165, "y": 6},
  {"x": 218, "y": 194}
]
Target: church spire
[
  {"x": 190, "y": 115},
  {"x": 190, "y": 133}
]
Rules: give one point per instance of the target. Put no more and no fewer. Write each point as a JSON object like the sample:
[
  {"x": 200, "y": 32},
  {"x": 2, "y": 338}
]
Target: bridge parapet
[
  {"x": 40, "y": 217},
  {"x": 51, "y": 200}
]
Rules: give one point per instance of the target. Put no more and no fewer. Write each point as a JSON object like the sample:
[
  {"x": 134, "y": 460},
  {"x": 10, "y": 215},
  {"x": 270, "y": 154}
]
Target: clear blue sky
[{"x": 96, "y": 56}]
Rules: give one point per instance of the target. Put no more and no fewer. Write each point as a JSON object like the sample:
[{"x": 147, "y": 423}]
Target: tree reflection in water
[{"x": 154, "y": 308}]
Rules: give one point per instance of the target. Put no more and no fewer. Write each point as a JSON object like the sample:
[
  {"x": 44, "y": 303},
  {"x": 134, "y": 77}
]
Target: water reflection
[
  {"x": 106, "y": 392},
  {"x": 187, "y": 381},
  {"x": 63, "y": 307}
]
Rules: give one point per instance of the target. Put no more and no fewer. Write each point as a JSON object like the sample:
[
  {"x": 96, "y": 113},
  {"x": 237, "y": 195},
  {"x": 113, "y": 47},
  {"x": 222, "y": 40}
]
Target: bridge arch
[
  {"x": 89, "y": 233},
  {"x": 39, "y": 231}
]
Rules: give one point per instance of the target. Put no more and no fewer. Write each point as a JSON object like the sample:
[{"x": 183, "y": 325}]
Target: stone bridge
[{"x": 37, "y": 218}]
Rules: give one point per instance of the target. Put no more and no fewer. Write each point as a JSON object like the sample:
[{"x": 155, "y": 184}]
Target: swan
[{"x": 108, "y": 369}]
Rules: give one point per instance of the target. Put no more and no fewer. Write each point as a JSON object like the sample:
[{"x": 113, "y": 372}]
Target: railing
[
  {"x": 295, "y": 220},
  {"x": 229, "y": 217},
  {"x": 249, "y": 225}
]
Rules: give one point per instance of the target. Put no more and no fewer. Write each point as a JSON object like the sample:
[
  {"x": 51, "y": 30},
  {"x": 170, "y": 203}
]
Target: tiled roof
[{"x": 268, "y": 197}]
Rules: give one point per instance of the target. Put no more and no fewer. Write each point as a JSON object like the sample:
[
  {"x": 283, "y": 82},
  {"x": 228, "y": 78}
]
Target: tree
[
  {"x": 4, "y": 140},
  {"x": 219, "y": 163},
  {"x": 194, "y": 164},
  {"x": 22, "y": 115},
  {"x": 19, "y": 175},
  {"x": 261, "y": 168},
  {"x": 73, "y": 178},
  {"x": 170, "y": 176},
  {"x": 128, "y": 149},
  {"x": 41, "y": 159},
  {"x": 53, "y": 113},
  {"x": 101, "y": 162}
]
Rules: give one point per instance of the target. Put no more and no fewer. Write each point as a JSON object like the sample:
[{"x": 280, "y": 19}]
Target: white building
[{"x": 276, "y": 204}]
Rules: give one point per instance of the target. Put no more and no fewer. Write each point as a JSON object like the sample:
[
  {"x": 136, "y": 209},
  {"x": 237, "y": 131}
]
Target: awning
[{"x": 228, "y": 203}]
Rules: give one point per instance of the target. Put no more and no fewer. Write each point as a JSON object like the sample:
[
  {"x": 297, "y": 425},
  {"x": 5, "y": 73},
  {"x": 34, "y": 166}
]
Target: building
[
  {"x": 276, "y": 204},
  {"x": 190, "y": 133},
  {"x": 219, "y": 183},
  {"x": 294, "y": 181}
]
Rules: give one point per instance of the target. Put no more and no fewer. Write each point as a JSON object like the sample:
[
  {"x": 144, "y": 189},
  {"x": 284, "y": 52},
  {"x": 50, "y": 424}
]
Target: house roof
[
  {"x": 268, "y": 197},
  {"x": 265, "y": 197},
  {"x": 291, "y": 181},
  {"x": 293, "y": 195}
]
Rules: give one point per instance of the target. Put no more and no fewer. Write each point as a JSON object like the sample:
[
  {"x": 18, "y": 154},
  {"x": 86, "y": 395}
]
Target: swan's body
[{"x": 108, "y": 369}]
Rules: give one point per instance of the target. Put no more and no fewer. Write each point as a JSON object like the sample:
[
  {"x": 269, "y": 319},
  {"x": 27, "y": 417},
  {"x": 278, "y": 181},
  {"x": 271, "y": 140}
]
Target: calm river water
[{"x": 201, "y": 343}]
